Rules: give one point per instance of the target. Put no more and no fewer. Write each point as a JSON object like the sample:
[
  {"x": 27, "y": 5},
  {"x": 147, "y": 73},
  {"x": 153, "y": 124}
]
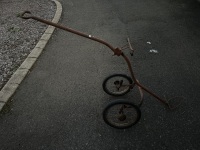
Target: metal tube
[
  {"x": 140, "y": 85},
  {"x": 116, "y": 51},
  {"x": 73, "y": 31}
]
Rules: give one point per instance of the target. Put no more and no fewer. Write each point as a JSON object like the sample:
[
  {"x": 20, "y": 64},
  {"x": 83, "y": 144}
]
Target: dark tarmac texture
[{"x": 59, "y": 105}]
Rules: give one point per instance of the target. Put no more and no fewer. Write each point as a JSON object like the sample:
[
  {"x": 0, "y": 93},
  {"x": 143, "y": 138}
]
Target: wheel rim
[
  {"x": 122, "y": 115},
  {"x": 118, "y": 85}
]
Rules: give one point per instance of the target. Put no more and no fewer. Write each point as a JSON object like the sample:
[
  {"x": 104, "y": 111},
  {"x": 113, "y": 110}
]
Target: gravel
[{"x": 17, "y": 36}]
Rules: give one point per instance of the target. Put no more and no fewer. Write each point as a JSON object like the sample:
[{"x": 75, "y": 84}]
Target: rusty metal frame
[{"x": 117, "y": 51}]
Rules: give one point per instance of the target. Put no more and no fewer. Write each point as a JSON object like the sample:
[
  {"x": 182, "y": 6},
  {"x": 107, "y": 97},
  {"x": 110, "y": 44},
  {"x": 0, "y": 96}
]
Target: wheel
[
  {"x": 121, "y": 114},
  {"x": 117, "y": 84}
]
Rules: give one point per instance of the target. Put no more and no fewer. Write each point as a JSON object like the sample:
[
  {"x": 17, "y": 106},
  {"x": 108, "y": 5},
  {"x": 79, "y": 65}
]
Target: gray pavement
[{"x": 59, "y": 105}]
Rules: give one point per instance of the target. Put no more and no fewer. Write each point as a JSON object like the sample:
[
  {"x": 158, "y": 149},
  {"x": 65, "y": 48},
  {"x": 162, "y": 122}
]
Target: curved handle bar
[
  {"x": 25, "y": 13},
  {"x": 117, "y": 51}
]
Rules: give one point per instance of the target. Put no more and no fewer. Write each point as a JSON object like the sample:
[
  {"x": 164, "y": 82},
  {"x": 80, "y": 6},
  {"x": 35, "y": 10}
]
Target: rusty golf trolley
[{"x": 119, "y": 114}]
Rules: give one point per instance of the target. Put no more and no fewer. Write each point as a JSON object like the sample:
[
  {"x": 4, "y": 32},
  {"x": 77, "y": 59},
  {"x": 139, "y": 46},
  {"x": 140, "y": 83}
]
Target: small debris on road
[
  {"x": 153, "y": 51},
  {"x": 148, "y": 42}
]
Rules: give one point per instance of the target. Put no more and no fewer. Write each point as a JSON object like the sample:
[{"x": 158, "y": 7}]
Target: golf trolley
[{"x": 120, "y": 114}]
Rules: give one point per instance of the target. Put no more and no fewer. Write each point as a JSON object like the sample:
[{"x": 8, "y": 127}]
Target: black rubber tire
[
  {"x": 123, "y": 102},
  {"x": 112, "y": 76}
]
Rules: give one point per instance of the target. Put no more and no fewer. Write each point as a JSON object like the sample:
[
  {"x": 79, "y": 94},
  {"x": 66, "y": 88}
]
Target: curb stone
[{"x": 13, "y": 83}]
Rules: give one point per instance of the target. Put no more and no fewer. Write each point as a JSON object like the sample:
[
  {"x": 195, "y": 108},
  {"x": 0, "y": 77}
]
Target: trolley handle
[
  {"x": 117, "y": 51},
  {"x": 25, "y": 16}
]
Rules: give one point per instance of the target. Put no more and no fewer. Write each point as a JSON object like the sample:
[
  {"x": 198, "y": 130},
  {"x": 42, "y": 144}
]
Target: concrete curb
[{"x": 11, "y": 86}]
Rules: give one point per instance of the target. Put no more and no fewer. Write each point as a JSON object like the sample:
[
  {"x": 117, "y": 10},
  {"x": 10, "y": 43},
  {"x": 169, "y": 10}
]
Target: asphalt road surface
[{"x": 59, "y": 105}]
